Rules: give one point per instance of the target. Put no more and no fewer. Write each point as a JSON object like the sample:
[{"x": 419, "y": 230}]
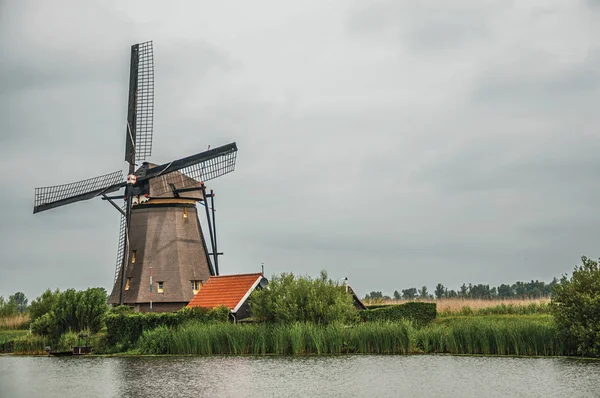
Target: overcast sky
[{"x": 400, "y": 143}]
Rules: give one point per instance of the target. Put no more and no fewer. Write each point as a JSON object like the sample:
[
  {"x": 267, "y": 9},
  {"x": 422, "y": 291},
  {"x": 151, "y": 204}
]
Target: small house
[{"x": 231, "y": 291}]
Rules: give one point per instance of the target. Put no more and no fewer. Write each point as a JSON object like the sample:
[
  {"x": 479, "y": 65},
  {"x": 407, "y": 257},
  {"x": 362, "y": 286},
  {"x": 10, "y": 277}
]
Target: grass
[
  {"x": 292, "y": 339},
  {"x": 495, "y": 335},
  {"x": 478, "y": 307},
  {"x": 14, "y": 322},
  {"x": 10, "y": 335},
  {"x": 21, "y": 342}
]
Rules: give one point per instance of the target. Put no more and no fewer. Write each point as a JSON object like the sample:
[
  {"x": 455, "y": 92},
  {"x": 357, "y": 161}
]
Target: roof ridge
[{"x": 232, "y": 275}]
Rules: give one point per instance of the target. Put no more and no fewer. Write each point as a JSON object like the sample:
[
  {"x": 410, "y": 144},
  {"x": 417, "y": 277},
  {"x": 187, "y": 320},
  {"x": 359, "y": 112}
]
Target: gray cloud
[{"x": 399, "y": 143}]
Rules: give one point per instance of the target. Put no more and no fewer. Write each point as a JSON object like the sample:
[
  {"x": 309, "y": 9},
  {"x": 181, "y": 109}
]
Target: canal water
[{"x": 332, "y": 376}]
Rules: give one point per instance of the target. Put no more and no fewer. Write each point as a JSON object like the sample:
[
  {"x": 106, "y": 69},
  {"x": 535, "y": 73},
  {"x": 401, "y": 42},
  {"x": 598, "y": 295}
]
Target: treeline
[
  {"x": 519, "y": 290},
  {"x": 16, "y": 304}
]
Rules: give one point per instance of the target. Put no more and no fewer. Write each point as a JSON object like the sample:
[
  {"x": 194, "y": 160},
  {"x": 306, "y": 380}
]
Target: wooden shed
[{"x": 231, "y": 291}]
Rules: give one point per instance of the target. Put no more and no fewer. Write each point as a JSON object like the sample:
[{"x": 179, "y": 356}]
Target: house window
[
  {"x": 185, "y": 213},
  {"x": 127, "y": 283},
  {"x": 160, "y": 287},
  {"x": 133, "y": 256},
  {"x": 196, "y": 285}
]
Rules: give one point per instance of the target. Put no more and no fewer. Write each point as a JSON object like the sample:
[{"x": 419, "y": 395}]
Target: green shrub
[
  {"x": 45, "y": 325},
  {"x": 290, "y": 299},
  {"x": 576, "y": 308},
  {"x": 67, "y": 341},
  {"x": 155, "y": 341},
  {"x": 70, "y": 310},
  {"x": 43, "y": 304},
  {"x": 30, "y": 344},
  {"x": 126, "y": 328},
  {"x": 418, "y": 312}
]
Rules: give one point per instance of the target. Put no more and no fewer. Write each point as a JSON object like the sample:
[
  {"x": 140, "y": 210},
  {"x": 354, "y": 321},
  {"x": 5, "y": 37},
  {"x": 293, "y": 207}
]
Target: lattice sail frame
[
  {"x": 203, "y": 171},
  {"x": 144, "y": 123},
  {"x": 50, "y": 194},
  {"x": 121, "y": 244}
]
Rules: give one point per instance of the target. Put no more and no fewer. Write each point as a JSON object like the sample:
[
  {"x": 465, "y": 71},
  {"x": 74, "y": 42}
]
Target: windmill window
[
  {"x": 161, "y": 288},
  {"x": 185, "y": 213},
  {"x": 196, "y": 285},
  {"x": 133, "y": 252},
  {"x": 127, "y": 283}
]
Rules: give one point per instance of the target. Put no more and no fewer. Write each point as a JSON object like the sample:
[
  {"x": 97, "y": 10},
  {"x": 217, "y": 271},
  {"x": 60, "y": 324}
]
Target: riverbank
[{"x": 514, "y": 335}]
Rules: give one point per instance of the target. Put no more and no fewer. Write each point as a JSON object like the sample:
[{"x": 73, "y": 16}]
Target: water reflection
[{"x": 342, "y": 376}]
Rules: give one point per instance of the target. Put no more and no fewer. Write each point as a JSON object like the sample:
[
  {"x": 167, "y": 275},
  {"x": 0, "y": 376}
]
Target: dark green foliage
[
  {"x": 518, "y": 290},
  {"x": 409, "y": 294},
  {"x": 125, "y": 329},
  {"x": 43, "y": 304},
  {"x": 420, "y": 313},
  {"x": 70, "y": 310},
  {"x": 20, "y": 300},
  {"x": 289, "y": 299},
  {"x": 576, "y": 307}
]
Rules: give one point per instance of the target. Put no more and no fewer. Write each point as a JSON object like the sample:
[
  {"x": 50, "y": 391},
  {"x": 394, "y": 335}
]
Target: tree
[
  {"x": 289, "y": 298},
  {"x": 423, "y": 294},
  {"x": 71, "y": 310},
  {"x": 505, "y": 291},
  {"x": 397, "y": 295},
  {"x": 43, "y": 304},
  {"x": 409, "y": 294},
  {"x": 440, "y": 291},
  {"x": 576, "y": 307},
  {"x": 8, "y": 308},
  {"x": 20, "y": 301}
]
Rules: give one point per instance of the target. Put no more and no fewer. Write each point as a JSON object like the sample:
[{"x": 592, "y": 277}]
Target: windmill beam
[{"x": 104, "y": 197}]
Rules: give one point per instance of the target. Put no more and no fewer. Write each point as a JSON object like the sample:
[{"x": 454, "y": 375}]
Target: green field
[{"x": 9, "y": 335}]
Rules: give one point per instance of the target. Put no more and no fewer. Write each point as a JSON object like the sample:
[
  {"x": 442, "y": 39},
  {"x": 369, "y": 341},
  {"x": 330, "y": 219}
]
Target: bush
[
  {"x": 576, "y": 307},
  {"x": 290, "y": 299},
  {"x": 70, "y": 310},
  {"x": 155, "y": 341},
  {"x": 418, "y": 312},
  {"x": 125, "y": 329},
  {"x": 43, "y": 304}
]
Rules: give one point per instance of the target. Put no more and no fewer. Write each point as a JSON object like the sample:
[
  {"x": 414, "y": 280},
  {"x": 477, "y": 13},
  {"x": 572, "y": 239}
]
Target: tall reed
[
  {"x": 15, "y": 322},
  {"x": 509, "y": 336},
  {"x": 281, "y": 339},
  {"x": 495, "y": 336}
]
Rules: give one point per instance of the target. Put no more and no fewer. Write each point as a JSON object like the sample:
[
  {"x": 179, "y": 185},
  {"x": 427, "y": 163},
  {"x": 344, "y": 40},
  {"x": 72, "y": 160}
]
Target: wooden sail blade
[
  {"x": 140, "y": 111},
  {"x": 47, "y": 198},
  {"x": 203, "y": 166}
]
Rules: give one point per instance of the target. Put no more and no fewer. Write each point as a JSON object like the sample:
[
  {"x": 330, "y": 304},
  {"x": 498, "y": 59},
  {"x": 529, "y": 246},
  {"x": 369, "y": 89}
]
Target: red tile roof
[{"x": 227, "y": 290}]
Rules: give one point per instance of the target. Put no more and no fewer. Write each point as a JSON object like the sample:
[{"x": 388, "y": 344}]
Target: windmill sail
[
  {"x": 140, "y": 111},
  {"x": 59, "y": 195},
  {"x": 121, "y": 246},
  {"x": 203, "y": 166}
]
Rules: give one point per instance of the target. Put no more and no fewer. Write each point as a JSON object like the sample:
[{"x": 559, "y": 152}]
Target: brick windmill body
[{"x": 163, "y": 257}]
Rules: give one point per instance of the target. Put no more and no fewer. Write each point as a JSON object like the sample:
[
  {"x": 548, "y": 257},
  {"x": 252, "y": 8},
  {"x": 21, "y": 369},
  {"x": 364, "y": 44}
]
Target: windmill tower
[{"x": 163, "y": 257}]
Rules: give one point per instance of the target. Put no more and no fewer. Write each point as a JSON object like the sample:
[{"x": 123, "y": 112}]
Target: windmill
[{"x": 161, "y": 243}]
